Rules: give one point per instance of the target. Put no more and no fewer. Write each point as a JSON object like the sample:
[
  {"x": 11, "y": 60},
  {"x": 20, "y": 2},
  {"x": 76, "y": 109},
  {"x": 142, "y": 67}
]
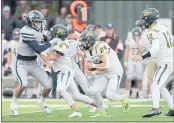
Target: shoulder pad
[
  {"x": 27, "y": 33},
  {"x": 102, "y": 48},
  {"x": 151, "y": 34}
]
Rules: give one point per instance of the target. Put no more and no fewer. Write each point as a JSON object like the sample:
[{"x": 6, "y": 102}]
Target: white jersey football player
[
  {"x": 13, "y": 44},
  {"x": 63, "y": 66},
  {"x": 162, "y": 44},
  {"x": 100, "y": 60},
  {"x": 26, "y": 64},
  {"x": 134, "y": 70}
]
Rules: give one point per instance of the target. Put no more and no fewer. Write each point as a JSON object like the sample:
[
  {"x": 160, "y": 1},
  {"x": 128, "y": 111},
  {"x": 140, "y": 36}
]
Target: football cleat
[
  {"x": 170, "y": 113},
  {"x": 100, "y": 114},
  {"x": 75, "y": 114},
  {"x": 13, "y": 109},
  {"x": 153, "y": 112},
  {"x": 125, "y": 104},
  {"x": 45, "y": 108}
]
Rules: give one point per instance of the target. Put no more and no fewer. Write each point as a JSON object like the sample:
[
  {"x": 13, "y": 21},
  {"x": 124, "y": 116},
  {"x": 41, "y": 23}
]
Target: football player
[
  {"x": 26, "y": 64},
  {"x": 162, "y": 47},
  {"x": 100, "y": 61},
  {"x": 134, "y": 70},
  {"x": 62, "y": 65}
]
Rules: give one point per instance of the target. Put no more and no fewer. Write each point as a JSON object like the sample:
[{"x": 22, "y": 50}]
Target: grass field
[{"x": 30, "y": 111}]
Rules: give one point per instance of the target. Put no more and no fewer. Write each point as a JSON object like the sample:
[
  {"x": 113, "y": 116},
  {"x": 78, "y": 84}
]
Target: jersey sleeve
[
  {"x": 102, "y": 49},
  {"x": 152, "y": 35},
  {"x": 27, "y": 35}
]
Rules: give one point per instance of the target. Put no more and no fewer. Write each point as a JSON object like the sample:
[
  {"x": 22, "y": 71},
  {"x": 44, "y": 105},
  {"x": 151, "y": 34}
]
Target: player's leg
[
  {"x": 139, "y": 69},
  {"x": 72, "y": 89},
  {"x": 161, "y": 76},
  {"x": 130, "y": 76},
  {"x": 21, "y": 73},
  {"x": 113, "y": 95},
  {"x": 96, "y": 89},
  {"x": 42, "y": 77},
  {"x": 64, "y": 79}
]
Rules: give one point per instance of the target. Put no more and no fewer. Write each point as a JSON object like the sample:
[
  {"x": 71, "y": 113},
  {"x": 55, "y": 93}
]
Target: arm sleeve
[{"x": 36, "y": 47}]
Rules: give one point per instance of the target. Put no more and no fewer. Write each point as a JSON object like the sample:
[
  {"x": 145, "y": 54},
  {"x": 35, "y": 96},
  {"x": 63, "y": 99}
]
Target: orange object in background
[{"x": 76, "y": 25}]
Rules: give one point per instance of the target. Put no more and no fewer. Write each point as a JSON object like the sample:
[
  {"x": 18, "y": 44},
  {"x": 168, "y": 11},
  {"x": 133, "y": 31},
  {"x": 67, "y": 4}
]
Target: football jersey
[
  {"x": 63, "y": 63},
  {"x": 13, "y": 46},
  {"x": 133, "y": 47},
  {"x": 161, "y": 33},
  {"x": 100, "y": 49},
  {"x": 28, "y": 34}
]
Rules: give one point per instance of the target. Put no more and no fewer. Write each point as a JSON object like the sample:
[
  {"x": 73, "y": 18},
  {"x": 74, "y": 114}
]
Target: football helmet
[
  {"x": 90, "y": 27},
  {"x": 149, "y": 16},
  {"x": 59, "y": 31},
  {"x": 87, "y": 39},
  {"x": 136, "y": 32},
  {"x": 16, "y": 34},
  {"x": 36, "y": 20}
]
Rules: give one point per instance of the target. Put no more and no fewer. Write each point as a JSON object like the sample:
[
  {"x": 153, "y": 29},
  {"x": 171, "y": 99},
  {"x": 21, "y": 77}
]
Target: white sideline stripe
[
  {"x": 62, "y": 100},
  {"x": 40, "y": 111}
]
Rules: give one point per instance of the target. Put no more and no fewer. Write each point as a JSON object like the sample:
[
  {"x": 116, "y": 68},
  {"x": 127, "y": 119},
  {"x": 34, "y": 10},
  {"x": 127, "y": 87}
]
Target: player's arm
[
  {"x": 81, "y": 53},
  {"x": 30, "y": 40},
  {"x": 126, "y": 55},
  {"x": 152, "y": 37},
  {"x": 50, "y": 57}
]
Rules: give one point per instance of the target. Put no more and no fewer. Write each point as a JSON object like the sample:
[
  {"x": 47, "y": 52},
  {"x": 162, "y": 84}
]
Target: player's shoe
[
  {"x": 100, "y": 114},
  {"x": 125, "y": 103},
  {"x": 44, "y": 107},
  {"x": 75, "y": 114},
  {"x": 92, "y": 109},
  {"x": 33, "y": 96},
  {"x": 13, "y": 109},
  {"x": 170, "y": 113},
  {"x": 153, "y": 112}
]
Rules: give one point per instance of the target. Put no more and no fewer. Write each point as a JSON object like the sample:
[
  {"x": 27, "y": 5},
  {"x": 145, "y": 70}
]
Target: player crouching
[{"x": 102, "y": 62}]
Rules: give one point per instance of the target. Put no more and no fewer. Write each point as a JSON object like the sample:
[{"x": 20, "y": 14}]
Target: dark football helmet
[
  {"x": 16, "y": 34},
  {"x": 149, "y": 15},
  {"x": 36, "y": 20},
  {"x": 59, "y": 31},
  {"x": 136, "y": 32},
  {"x": 87, "y": 39},
  {"x": 90, "y": 27}
]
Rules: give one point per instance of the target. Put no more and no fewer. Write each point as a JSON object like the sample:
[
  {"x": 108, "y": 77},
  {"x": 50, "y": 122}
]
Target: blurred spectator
[
  {"x": 61, "y": 19},
  {"x": 22, "y": 22},
  {"x": 113, "y": 40},
  {"x": 8, "y": 23},
  {"x": 69, "y": 21},
  {"x": 48, "y": 18},
  {"x": 5, "y": 55},
  {"x": 100, "y": 31},
  {"x": 23, "y": 7}
]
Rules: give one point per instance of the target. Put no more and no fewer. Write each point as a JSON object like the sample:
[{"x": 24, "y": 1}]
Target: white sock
[
  {"x": 168, "y": 98},
  {"x": 99, "y": 102},
  {"x": 155, "y": 96},
  {"x": 114, "y": 96},
  {"x": 35, "y": 91},
  {"x": 42, "y": 99},
  {"x": 14, "y": 100}
]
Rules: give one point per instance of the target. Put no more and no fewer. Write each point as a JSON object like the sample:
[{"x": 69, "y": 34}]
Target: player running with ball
[{"x": 100, "y": 59}]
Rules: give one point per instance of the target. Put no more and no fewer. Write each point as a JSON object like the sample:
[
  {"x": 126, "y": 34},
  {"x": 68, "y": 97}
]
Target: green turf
[{"x": 60, "y": 114}]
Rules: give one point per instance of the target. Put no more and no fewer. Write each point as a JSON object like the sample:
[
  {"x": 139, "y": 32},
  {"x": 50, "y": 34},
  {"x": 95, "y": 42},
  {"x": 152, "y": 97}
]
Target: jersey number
[{"x": 168, "y": 39}]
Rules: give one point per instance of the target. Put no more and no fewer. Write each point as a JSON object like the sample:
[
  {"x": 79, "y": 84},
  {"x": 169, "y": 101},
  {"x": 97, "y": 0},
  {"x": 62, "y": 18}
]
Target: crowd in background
[{"x": 17, "y": 20}]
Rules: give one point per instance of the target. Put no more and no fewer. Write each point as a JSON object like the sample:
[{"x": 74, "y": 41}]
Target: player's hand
[
  {"x": 89, "y": 65},
  {"x": 137, "y": 58}
]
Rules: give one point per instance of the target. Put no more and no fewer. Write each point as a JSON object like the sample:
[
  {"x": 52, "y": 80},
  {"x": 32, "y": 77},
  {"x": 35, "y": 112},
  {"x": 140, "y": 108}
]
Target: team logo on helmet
[
  {"x": 89, "y": 34},
  {"x": 60, "y": 32},
  {"x": 146, "y": 13}
]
